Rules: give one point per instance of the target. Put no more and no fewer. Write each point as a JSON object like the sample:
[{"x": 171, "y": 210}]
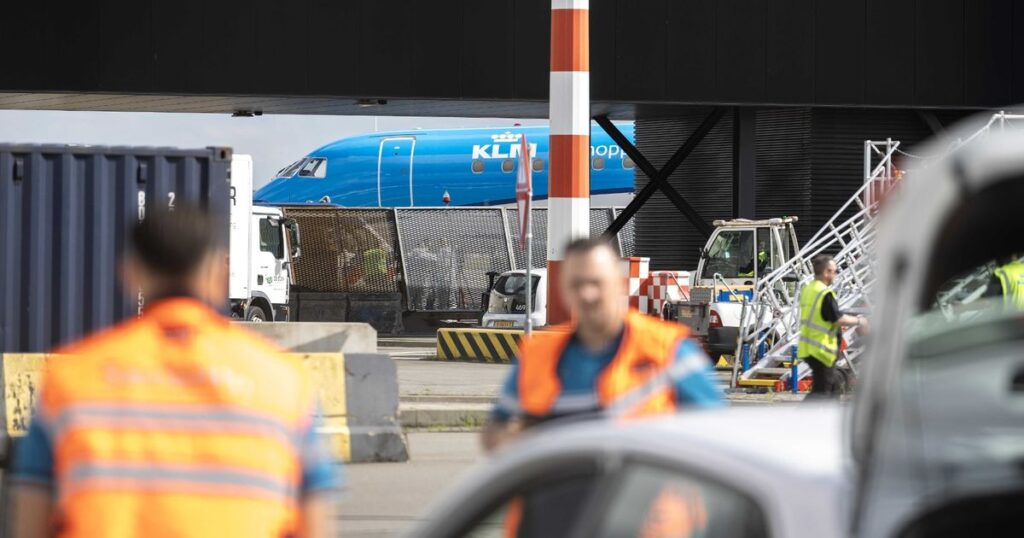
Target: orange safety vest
[
  {"x": 176, "y": 424},
  {"x": 647, "y": 348}
]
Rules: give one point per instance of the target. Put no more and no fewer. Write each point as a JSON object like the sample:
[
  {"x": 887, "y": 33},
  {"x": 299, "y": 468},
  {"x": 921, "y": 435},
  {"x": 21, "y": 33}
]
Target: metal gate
[
  {"x": 346, "y": 250},
  {"x": 447, "y": 253},
  {"x": 442, "y": 255}
]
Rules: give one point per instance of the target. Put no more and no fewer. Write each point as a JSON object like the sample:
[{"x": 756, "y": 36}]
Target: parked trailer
[{"x": 65, "y": 212}]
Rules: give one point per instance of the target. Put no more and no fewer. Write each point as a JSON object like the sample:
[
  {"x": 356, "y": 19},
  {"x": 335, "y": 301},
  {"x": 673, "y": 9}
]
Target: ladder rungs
[
  {"x": 757, "y": 382},
  {"x": 772, "y": 371}
]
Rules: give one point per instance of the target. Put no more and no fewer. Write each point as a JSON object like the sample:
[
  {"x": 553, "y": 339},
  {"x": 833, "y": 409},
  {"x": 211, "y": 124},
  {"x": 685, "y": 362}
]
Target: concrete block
[
  {"x": 312, "y": 337},
  {"x": 478, "y": 345},
  {"x": 358, "y": 395}
]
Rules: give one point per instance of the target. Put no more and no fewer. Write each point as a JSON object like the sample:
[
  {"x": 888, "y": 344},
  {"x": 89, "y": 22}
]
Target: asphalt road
[{"x": 385, "y": 499}]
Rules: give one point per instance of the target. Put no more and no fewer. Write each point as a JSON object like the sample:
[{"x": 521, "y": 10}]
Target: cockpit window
[
  {"x": 316, "y": 168},
  {"x": 290, "y": 170}
]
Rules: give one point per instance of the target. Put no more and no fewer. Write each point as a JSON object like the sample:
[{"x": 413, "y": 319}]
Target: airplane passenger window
[
  {"x": 478, "y": 166},
  {"x": 538, "y": 165},
  {"x": 598, "y": 163},
  {"x": 508, "y": 165},
  {"x": 628, "y": 163}
]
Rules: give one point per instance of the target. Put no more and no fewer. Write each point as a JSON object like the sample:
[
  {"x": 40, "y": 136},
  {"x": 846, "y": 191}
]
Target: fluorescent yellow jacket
[{"x": 818, "y": 337}]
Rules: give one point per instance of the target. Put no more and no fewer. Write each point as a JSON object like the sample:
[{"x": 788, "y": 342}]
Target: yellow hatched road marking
[
  {"x": 499, "y": 347},
  {"x": 451, "y": 344}
]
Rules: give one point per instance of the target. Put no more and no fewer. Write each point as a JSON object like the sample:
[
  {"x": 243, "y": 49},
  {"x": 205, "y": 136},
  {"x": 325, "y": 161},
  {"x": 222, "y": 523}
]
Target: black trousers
[{"x": 827, "y": 384}]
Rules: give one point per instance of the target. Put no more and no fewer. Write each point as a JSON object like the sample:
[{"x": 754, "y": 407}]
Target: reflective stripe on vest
[
  {"x": 176, "y": 423},
  {"x": 818, "y": 337},
  {"x": 1011, "y": 277},
  {"x": 647, "y": 350}
]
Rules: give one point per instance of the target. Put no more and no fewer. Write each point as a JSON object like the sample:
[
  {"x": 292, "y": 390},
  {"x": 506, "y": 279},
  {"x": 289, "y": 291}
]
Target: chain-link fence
[
  {"x": 347, "y": 250},
  {"x": 447, "y": 254},
  {"x": 540, "y": 238},
  {"x": 443, "y": 255}
]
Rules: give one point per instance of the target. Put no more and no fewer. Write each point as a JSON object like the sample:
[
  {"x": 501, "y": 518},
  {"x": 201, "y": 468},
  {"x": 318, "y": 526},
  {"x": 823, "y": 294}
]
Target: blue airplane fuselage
[{"x": 417, "y": 168}]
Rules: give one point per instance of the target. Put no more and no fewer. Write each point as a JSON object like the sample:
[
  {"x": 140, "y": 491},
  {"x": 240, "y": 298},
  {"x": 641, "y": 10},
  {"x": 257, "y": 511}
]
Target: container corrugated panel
[
  {"x": 704, "y": 179},
  {"x": 65, "y": 212}
]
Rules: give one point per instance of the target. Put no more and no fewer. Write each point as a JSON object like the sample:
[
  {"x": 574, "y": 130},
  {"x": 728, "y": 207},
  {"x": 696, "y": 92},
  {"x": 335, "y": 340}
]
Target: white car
[
  {"x": 938, "y": 428},
  {"x": 757, "y": 472},
  {"x": 506, "y": 304}
]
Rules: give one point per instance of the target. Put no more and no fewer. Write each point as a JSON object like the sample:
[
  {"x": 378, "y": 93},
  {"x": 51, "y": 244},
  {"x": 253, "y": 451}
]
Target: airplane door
[{"x": 394, "y": 172}]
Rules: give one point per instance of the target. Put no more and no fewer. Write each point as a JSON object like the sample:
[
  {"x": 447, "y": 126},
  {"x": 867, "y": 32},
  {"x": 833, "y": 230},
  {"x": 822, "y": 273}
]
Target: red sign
[{"x": 524, "y": 188}]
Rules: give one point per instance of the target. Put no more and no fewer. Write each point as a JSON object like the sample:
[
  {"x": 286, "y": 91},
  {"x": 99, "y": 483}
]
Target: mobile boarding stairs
[{"x": 770, "y": 322}]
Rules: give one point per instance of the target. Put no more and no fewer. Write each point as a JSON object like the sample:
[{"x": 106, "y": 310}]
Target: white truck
[
  {"x": 738, "y": 253},
  {"x": 262, "y": 246}
]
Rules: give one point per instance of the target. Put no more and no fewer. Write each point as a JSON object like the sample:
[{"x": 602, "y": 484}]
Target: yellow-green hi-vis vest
[
  {"x": 818, "y": 338},
  {"x": 1011, "y": 276}
]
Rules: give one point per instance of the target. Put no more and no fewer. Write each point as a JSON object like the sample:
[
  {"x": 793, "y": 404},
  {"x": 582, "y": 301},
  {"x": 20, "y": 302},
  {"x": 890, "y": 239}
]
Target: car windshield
[
  {"x": 731, "y": 255},
  {"x": 974, "y": 304},
  {"x": 514, "y": 284}
]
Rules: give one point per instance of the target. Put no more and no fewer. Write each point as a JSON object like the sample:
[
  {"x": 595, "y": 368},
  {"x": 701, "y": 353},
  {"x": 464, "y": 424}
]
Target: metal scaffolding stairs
[{"x": 770, "y": 322}]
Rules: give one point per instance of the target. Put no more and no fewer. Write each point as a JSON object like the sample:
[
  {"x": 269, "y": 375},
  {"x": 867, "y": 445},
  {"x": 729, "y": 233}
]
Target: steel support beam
[
  {"x": 744, "y": 163},
  {"x": 930, "y": 120},
  {"x": 659, "y": 178}
]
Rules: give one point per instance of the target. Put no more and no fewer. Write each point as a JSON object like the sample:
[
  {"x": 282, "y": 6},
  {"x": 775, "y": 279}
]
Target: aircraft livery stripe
[{"x": 568, "y": 26}]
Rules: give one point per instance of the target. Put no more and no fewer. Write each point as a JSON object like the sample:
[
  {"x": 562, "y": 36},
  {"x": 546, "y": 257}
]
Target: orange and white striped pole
[{"x": 569, "y": 145}]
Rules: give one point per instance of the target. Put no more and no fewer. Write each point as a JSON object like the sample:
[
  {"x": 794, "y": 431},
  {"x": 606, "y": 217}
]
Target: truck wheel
[{"x": 256, "y": 315}]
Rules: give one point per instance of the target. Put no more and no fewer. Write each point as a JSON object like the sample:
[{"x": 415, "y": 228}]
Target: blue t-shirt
[
  {"x": 580, "y": 368},
  {"x": 33, "y": 458}
]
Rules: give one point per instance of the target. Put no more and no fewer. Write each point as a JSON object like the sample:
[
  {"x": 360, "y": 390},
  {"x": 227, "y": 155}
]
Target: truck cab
[
  {"x": 262, "y": 246},
  {"x": 738, "y": 253}
]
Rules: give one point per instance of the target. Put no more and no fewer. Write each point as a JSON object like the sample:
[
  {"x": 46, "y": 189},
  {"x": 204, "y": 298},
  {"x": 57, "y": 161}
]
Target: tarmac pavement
[
  {"x": 387, "y": 499},
  {"x": 457, "y": 396}
]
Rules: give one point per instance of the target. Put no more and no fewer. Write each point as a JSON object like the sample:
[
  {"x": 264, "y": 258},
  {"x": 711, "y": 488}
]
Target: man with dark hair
[
  {"x": 606, "y": 353},
  {"x": 820, "y": 324},
  {"x": 176, "y": 423},
  {"x": 608, "y": 357}
]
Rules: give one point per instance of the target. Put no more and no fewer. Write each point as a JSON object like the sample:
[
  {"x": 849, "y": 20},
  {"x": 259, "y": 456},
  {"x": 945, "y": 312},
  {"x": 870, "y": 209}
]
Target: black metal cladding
[
  {"x": 885, "y": 53},
  {"x": 808, "y": 164},
  {"x": 64, "y": 216},
  {"x": 704, "y": 179}
]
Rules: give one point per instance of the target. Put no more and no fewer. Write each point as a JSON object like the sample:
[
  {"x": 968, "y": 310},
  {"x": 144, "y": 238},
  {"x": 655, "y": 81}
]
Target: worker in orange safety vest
[
  {"x": 608, "y": 356},
  {"x": 176, "y": 423}
]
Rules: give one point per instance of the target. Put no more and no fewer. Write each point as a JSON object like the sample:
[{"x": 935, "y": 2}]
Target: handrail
[{"x": 719, "y": 277}]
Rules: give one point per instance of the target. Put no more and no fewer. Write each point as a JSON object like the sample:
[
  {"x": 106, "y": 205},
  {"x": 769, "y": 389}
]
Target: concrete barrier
[
  {"x": 478, "y": 345},
  {"x": 314, "y": 337},
  {"x": 358, "y": 395}
]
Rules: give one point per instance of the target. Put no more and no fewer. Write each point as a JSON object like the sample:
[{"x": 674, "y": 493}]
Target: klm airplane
[{"x": 432, "y": 168}]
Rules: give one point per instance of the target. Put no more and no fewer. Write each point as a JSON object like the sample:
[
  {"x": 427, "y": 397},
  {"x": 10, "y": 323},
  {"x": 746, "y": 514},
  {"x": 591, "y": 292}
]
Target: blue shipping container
[{"x": 65, "y": 212}]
